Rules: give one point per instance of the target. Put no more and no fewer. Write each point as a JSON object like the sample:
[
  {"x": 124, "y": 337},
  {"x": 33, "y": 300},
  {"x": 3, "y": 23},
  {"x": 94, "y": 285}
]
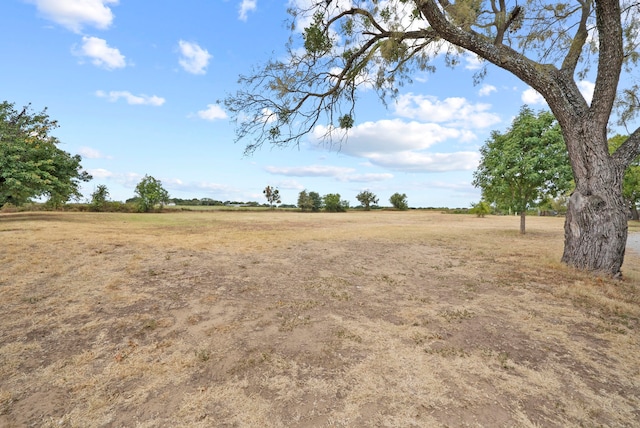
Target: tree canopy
[
  {"x": 337, "y": 47},
  {"x": 525, "y": 164},
  {"x": 150, "y": 193},
  {"x": 31, "y": 163},
  {"x": 366, "y": 199}
]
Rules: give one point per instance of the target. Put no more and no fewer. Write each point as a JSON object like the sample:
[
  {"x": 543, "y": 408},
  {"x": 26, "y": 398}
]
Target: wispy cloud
[
  {"x": 194, "y": 59},
  {"x": 246, "y": 6},
  {"x": 75, "y": 14},
  {"x": 213, "y": 112},
  {"x": 100, "y": 53},
  {"x": 90, "y": 153},
  {"x": 486, "y": 90},
  {"x": 336, "y": 172},
  {"x": 114, "y": 96},
  {"x": 309, "y": 171}
]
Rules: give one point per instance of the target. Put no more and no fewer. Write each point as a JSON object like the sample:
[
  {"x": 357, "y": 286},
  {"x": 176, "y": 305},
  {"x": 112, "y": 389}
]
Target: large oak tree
[{"x": 549, "y": 45}]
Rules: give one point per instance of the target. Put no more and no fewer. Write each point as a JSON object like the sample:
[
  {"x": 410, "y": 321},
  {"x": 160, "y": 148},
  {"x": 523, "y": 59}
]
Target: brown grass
[{"x": 288, "y": 319}]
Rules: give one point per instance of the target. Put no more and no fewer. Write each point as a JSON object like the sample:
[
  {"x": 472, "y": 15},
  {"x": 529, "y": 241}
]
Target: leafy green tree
[
  {"x": 481, "y": 208},
  {"x": 273, "y": 196},
  {"x": 333, "y": 203},
  {"x": 366, "y": 199},
  {"x": 549, "y": 45},
  {"x": 524, "y": 165},
  {"x": 99, "y": 198},
  {"x": 631, "y": 179},
  {"x": 399, "y": 201},
  {"x": 31, "y": 164},
  {"x": 310, "y": 201},
  {"x": 150, "y": 193}
]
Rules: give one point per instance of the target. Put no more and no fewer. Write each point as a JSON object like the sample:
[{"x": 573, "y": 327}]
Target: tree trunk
[
  {"x": 523, "y": 216},
  {"x": 595, "y": 228}
]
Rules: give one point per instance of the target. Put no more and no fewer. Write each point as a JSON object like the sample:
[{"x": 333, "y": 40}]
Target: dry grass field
[{"x": 284, "y": 319}]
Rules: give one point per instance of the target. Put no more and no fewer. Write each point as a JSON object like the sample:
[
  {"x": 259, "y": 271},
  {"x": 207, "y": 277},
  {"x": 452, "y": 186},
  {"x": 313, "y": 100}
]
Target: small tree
[
  {"x": 399, "y": 201},
  {"x": 273, "y": 196},
  {"x": 99, "y": 198},
  {"x": 366, "y": 199},
  {"x": 333, "y": 203},
  {"x": 480, "y": 209},
  {"x": 524, "y": 165},
  {"x": 150, "y": 193}
]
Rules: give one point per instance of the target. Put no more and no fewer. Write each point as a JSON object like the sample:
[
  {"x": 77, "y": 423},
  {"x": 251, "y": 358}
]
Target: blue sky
[{"x": 134, "y": 87}]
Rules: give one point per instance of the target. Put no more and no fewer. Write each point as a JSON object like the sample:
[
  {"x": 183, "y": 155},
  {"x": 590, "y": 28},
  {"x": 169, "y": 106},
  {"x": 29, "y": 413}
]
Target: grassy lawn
[{"x": 280, "y": 319}]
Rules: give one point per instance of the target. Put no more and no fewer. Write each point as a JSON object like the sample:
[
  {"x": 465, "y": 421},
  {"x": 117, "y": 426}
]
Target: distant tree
[
  {"x": 399, "y": 201},
  {"x": 273, "y": 196},
  {"x": 631, "y": 179},
  {"x": 480, "y": 209},
  {"x": 524, "y": 165},
  {"x": 333, "y": 203},
  {"x": 309, "y": 201},
  {"x": 366, "y": 199},
  {"x": 99, "y": 198},
  {"x": 31, "y": 164},
  {"x": 150, "y": 193}
]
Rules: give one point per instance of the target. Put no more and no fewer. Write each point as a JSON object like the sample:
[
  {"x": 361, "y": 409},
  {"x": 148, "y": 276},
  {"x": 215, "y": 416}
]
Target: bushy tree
[
  {"x": 99, "y": 198},
  {"x": 550, "y": 45},
  {"x": 399, "y": 201},
  {"x": 273, "y": 195},
  {"x": 150, "y": 193},
  {"x": 333, "y": 203},
  {"x": 524, "y": 165},
  {"x": 366, "y": 199},
  {"x": 481, "y": 208},
  {"x": 31, "y": 164},
  {"x": 310, "y": 201}
]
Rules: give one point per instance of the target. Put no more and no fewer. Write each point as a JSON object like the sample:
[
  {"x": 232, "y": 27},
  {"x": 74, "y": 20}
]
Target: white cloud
[
  {"x": 453, "y": 111},
  {"x": 194, "y": 59},
  {"x": 391, "y": 136},
  {"x": 586, "y": 89},
  {"x": 212, "y": 112},
  {"x": 100, "y": 173},
  {"x": 75, "y": 14},
  {"x": 336, "y": 172},
  {"x": 310, "y": 171},
  {"x": 89, "y": 153},
  {"x": 366, "y": 178},
  {"x": 246, "y": 6},
  {"x": 410, "y": 146},
  {"x": 486, "y": 89},
  {"x": 101, "y": 54},
  {"x": 411, "y": 161},
  {"x": 531, "y": 97},
  {"x": 114, "y": 96}
]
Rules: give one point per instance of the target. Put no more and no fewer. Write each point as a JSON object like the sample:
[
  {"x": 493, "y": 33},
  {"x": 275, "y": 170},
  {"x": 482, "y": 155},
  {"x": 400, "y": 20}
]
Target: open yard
[{"x": 286, "y": 319}]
